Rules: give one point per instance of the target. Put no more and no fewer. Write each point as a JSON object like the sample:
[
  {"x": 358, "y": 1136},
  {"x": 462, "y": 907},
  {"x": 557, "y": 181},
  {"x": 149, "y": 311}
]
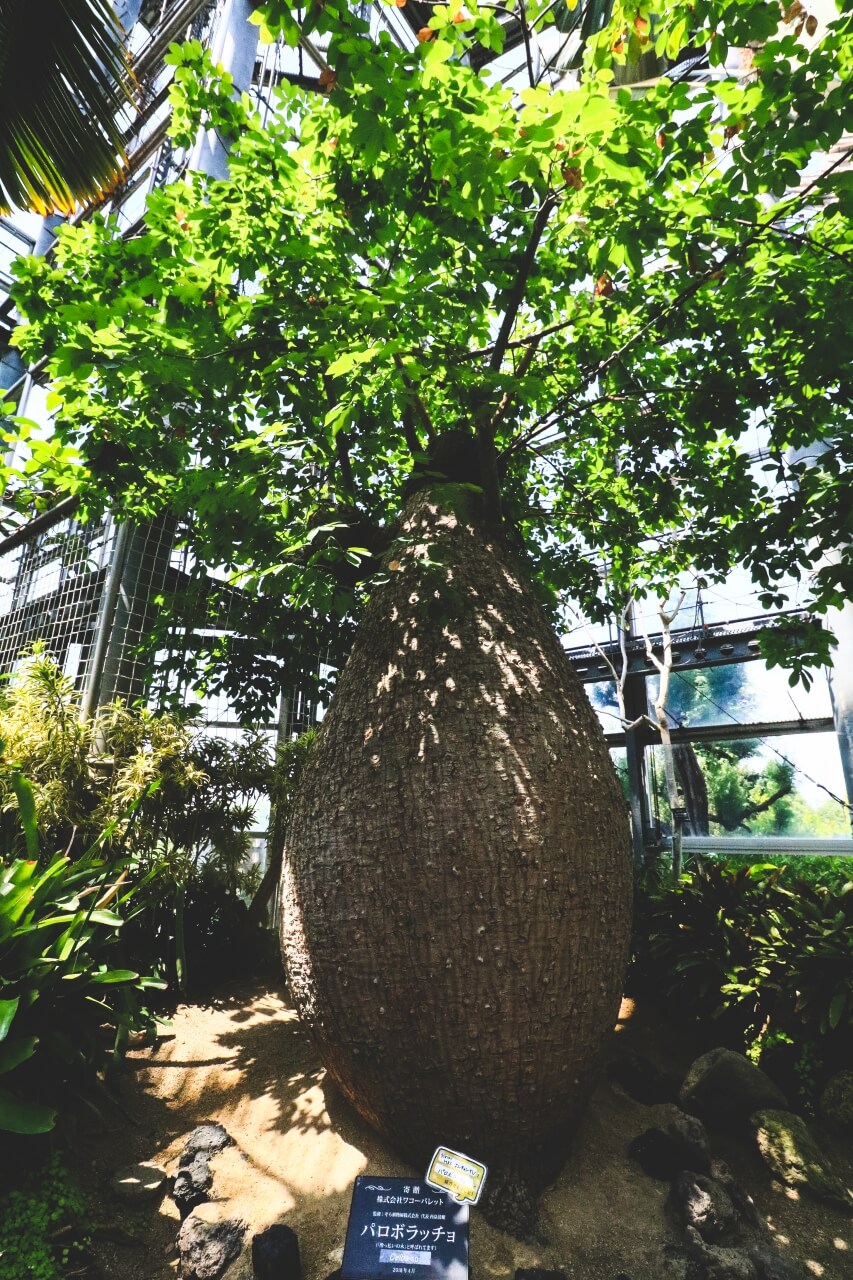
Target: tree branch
[
  {"x": 664, "y": 669},
  {"x": 342, "y": 443},
  {"x": 409, "y": 433},
  {"x": 620, "y": 677},
  {"x": 525, "y": 32},
  {"x": 508, "y": 396},
  {"x": 516, "y": 293},
  {"x": 418, "y": 406},
  {"x": 665, "y": 309},
  {"x": 761, "y": 806}
]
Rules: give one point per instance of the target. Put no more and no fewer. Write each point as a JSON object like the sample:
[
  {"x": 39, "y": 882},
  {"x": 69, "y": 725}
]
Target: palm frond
[{"x": 64, "y": 81}]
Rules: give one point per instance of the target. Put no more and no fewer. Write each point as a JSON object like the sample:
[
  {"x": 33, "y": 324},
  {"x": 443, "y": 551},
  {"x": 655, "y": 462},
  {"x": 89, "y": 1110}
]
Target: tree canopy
[{"x": 631, "y": 304}]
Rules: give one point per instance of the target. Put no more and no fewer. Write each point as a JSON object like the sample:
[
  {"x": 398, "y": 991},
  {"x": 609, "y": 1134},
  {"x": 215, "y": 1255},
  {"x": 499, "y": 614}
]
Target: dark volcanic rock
[
  {"x": 538, "y": 1273},
  {"x": 689, "y": 1136},
  {"x": 836, "y": 1101},
  {"x": 642, "y": 1080},
  {"x": 725, "y": 1088},
  {"x": 510, "y": 1205},
  {"x": 714, "y": 1262},
  {"x": 681, "y": 1144},
  {"x": 206, "y": 1138},
  {"x": 275, "y": 1254},
  {"x": 192, "y": 1184},
  {"x": 208, "y": 1248},
  {"x": 757, "y": 1260},
  {"x": 703, "y": 1203},
  {"x": 772, "y": 1265},
  {"x": 741, "y": 1200}
]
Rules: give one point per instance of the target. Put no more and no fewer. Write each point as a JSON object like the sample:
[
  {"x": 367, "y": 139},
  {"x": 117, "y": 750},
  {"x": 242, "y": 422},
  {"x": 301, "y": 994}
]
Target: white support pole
[
  {"x": 106, "y": 618},
  {"x": 234, "y": 45},
  {"x": 839, "y": 676},
  {"x": 840, "y": 680}
]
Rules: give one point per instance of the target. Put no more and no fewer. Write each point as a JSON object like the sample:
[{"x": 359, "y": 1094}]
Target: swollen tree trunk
[{"x": 456, "y": 891}]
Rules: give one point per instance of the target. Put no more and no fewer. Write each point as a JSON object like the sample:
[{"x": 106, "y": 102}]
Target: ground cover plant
[
  {"x": 88, "y": 935},
  {"x": 43, "y": 1231},
  {"x": 460, "y": 350}
]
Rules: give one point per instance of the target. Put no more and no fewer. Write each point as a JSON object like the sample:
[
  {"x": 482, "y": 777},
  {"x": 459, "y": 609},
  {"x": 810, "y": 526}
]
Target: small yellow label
[{"x": 458, "y": 1175}]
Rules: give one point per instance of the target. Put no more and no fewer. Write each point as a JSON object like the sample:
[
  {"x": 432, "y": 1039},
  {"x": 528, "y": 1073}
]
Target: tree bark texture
[{"x": 456, "y": 891}]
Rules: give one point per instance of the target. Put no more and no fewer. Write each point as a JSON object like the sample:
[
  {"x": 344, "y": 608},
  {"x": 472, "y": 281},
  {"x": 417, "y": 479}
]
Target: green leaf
[
  {"x": 8, "y": 1009},
  {"x": 27, "y": 808},
  {"x": 15, "y": 1051},
  {"x": 72, "y": 69},
  {"x": 19, "y": 1116},
  {"x": 107, "y": 918},
  {"x": 836, "y": 1008},
  {"x": 350, "y": 360},
  {"x": 114, "y": 976}
]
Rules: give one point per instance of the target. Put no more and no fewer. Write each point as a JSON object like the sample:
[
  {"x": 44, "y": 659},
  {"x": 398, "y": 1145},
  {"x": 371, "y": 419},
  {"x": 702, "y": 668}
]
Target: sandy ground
[{"x": 244, "y": 1060}]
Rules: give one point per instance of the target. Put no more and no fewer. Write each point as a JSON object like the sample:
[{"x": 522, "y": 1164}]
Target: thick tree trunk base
[
  {"x": 510, "y": 1203},
  {"x": 456, "y": 893}
]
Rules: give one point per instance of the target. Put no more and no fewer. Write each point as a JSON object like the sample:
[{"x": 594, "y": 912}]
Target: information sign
[
  {"x": 401, "y": 1227},
  {"x": 458, "y": 1175}
]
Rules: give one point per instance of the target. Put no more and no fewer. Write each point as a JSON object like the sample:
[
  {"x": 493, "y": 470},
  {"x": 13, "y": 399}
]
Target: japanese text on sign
[{"x": 399, "y": 1228}]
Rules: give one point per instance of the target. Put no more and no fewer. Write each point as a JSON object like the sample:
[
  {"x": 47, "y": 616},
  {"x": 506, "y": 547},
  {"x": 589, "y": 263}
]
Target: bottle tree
[{"x": 439, "y": 354}]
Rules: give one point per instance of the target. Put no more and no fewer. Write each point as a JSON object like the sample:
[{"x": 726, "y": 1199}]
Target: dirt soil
[{"x": 243, "y": 1059}]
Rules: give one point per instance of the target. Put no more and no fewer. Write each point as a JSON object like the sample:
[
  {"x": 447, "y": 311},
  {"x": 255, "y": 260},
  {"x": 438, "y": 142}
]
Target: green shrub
[
  {"x": 42, "y": 1234},
  {"x": 194, "y": 843},
  {"x": 193, "y": 801},
  {"x": 59, "y": 997},
  {"x": 760, "y": 956},
  {"x": 85, "y": 775}
]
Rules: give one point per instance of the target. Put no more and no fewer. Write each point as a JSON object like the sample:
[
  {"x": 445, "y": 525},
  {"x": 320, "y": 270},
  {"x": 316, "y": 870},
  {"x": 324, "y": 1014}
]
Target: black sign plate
[{"x": 399, "y": 1227}]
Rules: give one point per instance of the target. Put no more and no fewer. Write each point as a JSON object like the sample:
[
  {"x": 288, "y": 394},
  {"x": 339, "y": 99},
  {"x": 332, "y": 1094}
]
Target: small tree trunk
[
  {"x": 260, "y": 902},
  {"x": 693, "y": 787},
  {"x": 180, "y": 939},
  {"x": 664, "y": 669}
]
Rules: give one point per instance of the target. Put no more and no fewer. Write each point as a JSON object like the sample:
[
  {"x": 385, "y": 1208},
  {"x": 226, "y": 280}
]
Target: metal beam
[
  {"x": 172, "y": 28},
  {"x": 31, "y": 529},
  {"x": 760, "y": 846},
  {"x": 716, "y": 645},
  {"x": 697, "y": 734}
]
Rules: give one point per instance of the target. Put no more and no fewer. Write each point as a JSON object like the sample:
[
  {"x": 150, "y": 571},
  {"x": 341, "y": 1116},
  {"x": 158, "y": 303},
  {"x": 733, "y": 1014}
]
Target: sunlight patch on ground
[{"x": 626, "y": 1013}]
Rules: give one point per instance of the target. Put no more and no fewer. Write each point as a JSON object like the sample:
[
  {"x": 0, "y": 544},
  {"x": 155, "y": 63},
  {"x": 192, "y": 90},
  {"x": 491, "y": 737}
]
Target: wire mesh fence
[
  {"x": 51, "y": 590},
  {"x": 127, "y": 614}
]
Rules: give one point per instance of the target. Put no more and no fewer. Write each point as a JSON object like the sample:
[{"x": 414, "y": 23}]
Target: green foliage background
[
  {"x": 759, "y": 957},
  {"x": 605, "y": 289}
]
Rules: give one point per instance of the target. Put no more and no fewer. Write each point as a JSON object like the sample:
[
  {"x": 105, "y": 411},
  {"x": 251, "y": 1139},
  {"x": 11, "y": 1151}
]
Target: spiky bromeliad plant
[{"x": 458, "y": 347}]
